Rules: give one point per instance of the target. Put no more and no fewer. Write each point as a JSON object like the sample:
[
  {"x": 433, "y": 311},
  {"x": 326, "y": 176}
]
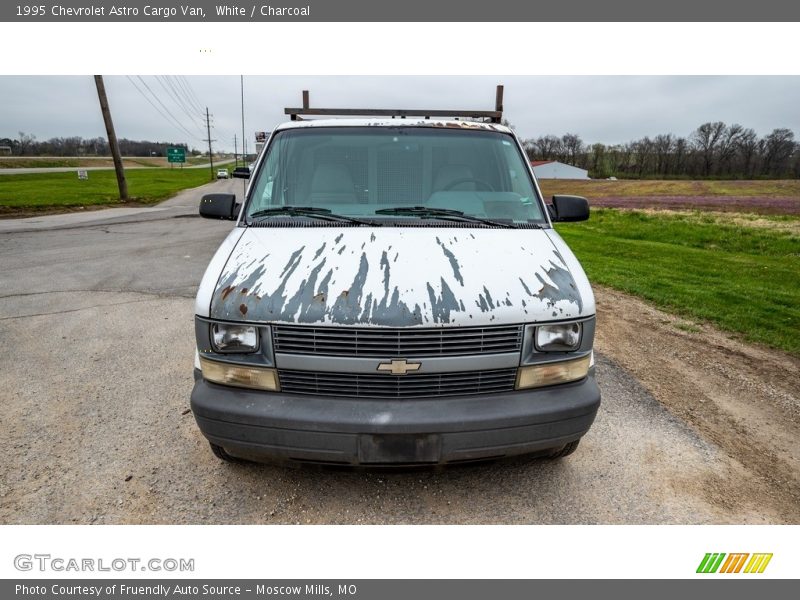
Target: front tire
[
  {"x": 564, "y": 450},
  {"x": 221, "y": 454}
]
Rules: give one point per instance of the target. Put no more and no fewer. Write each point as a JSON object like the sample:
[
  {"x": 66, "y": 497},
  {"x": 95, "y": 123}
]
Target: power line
[
  {"x": 164, "y": 106},
  {"x": 184, "y": 83},
  {"x": 175, "y": 120},
  {"x": 188, "y": 94},
  {"x": 195, "y": 100},
  {"x": 178, "y": 99},
  {"x": 177, "y": 126}
]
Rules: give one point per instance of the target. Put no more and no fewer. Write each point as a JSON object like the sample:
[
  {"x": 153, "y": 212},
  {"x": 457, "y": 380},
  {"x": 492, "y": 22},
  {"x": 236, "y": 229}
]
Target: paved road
[{"x": 96, "y": 321}]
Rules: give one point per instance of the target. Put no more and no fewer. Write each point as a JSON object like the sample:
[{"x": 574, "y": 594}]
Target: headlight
[
  {"x": 227, "y": 337},
  {"x": 564, "y": 371},
  {"x": 562, "y": 337},
  {"x": 240, "y": 376}
]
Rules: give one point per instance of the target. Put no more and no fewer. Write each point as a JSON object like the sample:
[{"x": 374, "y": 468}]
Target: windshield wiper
[
  {"x": 446, "y": 214},
  {"x": 313, "y": 212}
]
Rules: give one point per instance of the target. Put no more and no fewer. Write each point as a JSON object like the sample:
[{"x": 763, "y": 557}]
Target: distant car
[
  {"x": 222, "y": 173},
  {"x": 241, "y": 172}
]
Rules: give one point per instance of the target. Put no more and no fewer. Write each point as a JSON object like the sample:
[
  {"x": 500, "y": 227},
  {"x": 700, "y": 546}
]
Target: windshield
[{"x": 381, "y": 172}]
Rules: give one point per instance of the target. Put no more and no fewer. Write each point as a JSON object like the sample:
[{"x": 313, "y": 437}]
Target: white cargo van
[{"x": 393, "y": 293}]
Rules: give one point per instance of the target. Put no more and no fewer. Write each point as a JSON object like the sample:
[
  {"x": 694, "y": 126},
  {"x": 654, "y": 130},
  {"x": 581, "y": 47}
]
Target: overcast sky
[{"x": 598, "y": 108}]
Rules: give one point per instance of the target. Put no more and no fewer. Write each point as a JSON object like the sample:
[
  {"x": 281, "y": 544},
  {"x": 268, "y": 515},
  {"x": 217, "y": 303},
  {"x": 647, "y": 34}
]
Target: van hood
[{"x": 400, "y": 277}]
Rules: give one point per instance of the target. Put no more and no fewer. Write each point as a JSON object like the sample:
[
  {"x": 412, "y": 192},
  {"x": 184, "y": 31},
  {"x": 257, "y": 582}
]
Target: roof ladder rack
[{"x": 493, "y": 116}]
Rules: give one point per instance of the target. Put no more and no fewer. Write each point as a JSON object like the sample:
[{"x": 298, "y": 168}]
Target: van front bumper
[{"x": 271, "y": 426}]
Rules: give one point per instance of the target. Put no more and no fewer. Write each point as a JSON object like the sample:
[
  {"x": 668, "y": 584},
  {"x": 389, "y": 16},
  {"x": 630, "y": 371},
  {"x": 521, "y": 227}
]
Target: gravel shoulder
[{"x": 743, "y": 398}]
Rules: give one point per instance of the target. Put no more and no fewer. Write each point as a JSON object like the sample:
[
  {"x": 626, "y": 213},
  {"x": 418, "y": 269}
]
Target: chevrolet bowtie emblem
[{"x": 399, "y": 367}]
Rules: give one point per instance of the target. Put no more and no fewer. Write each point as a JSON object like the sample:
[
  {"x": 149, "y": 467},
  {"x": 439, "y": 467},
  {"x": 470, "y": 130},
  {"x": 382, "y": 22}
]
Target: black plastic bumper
[{"x": 275, "y": 426}]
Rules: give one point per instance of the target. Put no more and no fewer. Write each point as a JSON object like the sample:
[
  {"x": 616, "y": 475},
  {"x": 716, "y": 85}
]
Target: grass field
[
  {"x": 764, "y": 197},
  {"x": 64, "y": 190},
  {"x": 603, "y": 188},
  {"x": 737, "y": 272}
]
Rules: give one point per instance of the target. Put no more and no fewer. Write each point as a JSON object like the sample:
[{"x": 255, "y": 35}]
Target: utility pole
[
  {"x": 235, "y": 152},
  {"x": 209, "y": 140},
  {"x": 112, "y": 138},
  {"x": 244, "y": 142}
]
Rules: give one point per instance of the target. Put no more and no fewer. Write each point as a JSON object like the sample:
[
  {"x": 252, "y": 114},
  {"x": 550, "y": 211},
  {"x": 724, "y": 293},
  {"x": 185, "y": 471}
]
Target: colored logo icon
[{"x": 734, "y": 563}]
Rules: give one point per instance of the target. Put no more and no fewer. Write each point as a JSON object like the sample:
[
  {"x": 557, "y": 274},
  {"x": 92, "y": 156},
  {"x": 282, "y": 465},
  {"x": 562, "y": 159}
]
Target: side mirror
[
  {"x": 242, "y": 172},
  {"x": 569, "y": 208},
  {"x": 219, "y": 206}
]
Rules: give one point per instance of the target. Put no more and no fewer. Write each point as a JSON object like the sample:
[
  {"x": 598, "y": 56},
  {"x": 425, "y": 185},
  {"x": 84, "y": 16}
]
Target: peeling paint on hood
[{"x": 397, "y": 277}]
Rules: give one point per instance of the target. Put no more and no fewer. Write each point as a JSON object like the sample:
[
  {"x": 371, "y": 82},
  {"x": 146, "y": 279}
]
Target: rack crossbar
[{"x": 493, "y": 116}]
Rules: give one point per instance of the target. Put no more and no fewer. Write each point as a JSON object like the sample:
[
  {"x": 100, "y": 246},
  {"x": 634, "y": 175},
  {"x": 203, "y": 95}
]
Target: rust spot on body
[
  {"x": 243, "y": 309},
  {"x": 227, "y": 291}
]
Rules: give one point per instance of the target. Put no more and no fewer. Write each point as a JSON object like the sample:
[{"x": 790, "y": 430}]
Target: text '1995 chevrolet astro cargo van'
[{"x": 393, "y": 293}]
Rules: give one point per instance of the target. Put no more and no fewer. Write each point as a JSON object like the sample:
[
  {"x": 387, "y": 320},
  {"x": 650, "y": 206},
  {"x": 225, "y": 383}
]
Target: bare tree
[
  {"x": 747, "y": 149},
  {"x": 25, "y": 140},
  {"x": 727, "y": 146},
  {"x": 663, "y": 146},
  {"x": 529, "y": 146},
  {"x": 572, "y": 146},
  {"x": 643, "y": 151},
  {"x": 706, "y": 139},
  {"x": 778, "y": 147},
  {"x": 681, "y": 151},
  {"x": 547, "y": 147}
]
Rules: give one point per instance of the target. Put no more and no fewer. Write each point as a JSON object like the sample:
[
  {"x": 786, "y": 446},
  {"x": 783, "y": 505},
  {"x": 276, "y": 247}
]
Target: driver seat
[
  {"x": 332, "y": 183},
  {"x": 447, "y": 175}
]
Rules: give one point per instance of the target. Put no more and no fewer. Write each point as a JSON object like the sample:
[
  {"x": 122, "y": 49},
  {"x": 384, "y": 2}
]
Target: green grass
[
  {"x": 49, "y": 190},
  {"x": 743, "y": 279}
]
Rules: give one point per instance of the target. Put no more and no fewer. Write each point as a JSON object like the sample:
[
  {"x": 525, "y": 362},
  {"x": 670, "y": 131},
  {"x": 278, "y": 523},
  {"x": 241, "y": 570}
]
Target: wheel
[
  {"x": 565, "y": 450},
  {"x": 220, "y": 453}
]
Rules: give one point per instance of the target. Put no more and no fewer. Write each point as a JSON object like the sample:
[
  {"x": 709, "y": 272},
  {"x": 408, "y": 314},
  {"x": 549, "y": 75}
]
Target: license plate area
[{"x": 399, "y": 448}]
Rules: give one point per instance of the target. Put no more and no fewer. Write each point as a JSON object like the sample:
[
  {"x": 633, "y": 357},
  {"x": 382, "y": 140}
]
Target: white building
[{"x": 552, "y": 169}]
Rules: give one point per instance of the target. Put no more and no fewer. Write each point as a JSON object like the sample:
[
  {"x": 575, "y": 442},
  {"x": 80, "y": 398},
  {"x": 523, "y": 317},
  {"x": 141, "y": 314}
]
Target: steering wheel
[{"x": 478, "y": 182}]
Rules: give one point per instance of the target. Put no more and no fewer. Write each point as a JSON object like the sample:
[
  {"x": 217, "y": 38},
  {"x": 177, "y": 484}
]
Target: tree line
[
  {"x": 25, "y": 144},
  {"x": 712, "y": 150}
]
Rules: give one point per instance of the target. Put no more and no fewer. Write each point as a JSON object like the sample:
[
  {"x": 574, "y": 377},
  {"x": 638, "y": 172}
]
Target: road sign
[{"x": 176, "y": 155}]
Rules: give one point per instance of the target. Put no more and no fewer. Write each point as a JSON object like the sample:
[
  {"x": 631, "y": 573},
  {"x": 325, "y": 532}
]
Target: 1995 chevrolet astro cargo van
[{"x": 393, "y": 293}]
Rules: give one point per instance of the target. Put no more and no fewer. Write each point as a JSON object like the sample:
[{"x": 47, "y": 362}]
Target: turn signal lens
[
  {"x": 240, "y": 376},
  {"x": 534, "y": 376}
]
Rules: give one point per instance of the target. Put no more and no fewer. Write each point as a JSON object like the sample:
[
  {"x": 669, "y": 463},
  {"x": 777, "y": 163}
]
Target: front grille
[
  {"x": 397, "y": 386},
  {"x": 388, "y": 343}
]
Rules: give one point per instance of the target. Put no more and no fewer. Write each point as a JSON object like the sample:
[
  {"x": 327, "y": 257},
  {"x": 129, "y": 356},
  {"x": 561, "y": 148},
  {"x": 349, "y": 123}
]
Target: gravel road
[{"x": 96, "y": 323}]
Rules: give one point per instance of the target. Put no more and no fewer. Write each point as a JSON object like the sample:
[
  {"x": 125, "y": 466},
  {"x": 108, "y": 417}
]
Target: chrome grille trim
[
  {"x": 397, "y": 387},
  {"x": 388, "y": 343}
]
